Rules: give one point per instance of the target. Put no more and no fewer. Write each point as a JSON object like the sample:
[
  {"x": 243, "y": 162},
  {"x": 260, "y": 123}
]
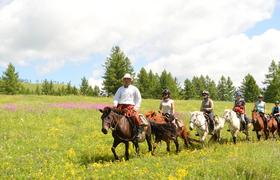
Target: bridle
[
  {"x": 195, "y": 120},
  {"x": 113, "y": 124}
]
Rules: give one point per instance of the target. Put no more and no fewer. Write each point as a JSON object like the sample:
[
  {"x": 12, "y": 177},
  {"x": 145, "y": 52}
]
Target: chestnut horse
[
  {"x": 179, "y": 131},
  {"x": 259, "y": 125},
  {"x": 122, "y": 130}
]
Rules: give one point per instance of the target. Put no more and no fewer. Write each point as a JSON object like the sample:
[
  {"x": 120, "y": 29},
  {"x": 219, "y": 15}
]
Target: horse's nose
[{"x": 104, "y": 130}]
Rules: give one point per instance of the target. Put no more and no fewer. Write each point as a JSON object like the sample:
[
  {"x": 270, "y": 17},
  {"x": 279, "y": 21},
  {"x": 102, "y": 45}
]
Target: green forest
[{"x": 149, "y": 83}]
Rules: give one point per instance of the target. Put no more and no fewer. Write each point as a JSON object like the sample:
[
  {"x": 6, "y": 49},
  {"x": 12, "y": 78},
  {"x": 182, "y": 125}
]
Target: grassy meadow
[{"x": 39, "y": 139}]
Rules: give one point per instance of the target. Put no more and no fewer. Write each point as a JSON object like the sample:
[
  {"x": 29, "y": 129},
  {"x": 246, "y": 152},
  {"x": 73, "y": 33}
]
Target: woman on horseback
[
  {"x": 239, "y": 108},
  {"x": 207, "y": 106},
  {"x": 276, "y": 111},
  {"x": 260, "y": 108},
  {"x": 166, "y": 105}
]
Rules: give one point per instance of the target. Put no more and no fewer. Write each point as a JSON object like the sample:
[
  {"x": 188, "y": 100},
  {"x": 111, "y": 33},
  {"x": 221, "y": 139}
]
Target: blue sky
[{"x": 65, "y": 41}]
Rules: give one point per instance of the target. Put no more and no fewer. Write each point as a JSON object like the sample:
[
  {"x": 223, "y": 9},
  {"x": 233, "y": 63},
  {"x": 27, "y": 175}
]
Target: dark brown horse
[
  {"x": 178, "y": 131},
  {"x": 122, "y": 130},
  {"x": 260, "y": 127}
]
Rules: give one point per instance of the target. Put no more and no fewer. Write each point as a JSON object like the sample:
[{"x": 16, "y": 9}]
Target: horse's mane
[
  {"x": 108, "y": 109},
  {"x": 157, "y": 117}
]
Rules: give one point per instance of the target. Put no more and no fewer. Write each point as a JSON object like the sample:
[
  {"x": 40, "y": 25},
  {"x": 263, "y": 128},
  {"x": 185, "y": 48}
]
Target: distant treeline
[{"x": 149, "y": 83}]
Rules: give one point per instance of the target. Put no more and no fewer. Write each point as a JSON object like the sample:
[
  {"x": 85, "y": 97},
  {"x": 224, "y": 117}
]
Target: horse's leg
[
  {"x": 184, "y": 136},
  {"x": 258, "y": 136},
  {"x": 203, "y": 137},
  {"x": 234, "y": 136},
  {"x": 149, "y": 141},
  {"x": 136, "y": 145},
  {"x": 167, "y": 145},
  {"x": 155, "y": 146},
  {"x": 126, "y": 150},
  {"x": 177, "y": 145},
  {"x": 115, "y": 144}
]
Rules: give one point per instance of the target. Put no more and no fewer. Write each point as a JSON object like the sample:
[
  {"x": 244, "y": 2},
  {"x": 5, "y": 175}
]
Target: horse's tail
[{"x": 163, "y": 130}]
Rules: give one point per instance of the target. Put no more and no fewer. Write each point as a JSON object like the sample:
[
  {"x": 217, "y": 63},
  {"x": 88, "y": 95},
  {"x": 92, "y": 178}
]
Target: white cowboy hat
[{"x": 127, "y": 76}]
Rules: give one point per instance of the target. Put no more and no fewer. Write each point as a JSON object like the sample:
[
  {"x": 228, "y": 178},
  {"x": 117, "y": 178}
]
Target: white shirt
[
  {"x": 166, "y": 106},
  {"x": 130, "y": 95}
]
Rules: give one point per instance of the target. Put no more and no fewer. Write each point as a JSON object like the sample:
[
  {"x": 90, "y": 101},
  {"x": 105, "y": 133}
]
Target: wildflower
[{"x": 71, "y": 153}]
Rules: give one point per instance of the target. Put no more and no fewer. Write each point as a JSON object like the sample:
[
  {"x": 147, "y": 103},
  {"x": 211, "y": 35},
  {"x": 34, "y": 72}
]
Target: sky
[{"x": 65, "y": 40}]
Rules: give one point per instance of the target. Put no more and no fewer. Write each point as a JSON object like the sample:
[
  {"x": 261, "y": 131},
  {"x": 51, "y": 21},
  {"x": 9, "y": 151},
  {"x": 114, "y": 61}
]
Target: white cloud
[
  {"x": 95, "y": 79},
  {"x": 186, "y": 32},
  {"x": 233, "y": 56}
]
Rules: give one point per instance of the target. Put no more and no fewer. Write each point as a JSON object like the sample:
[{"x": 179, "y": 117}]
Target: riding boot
[
  {"x": 139, "y": 136},
  {"x": 253, "y": 122}
]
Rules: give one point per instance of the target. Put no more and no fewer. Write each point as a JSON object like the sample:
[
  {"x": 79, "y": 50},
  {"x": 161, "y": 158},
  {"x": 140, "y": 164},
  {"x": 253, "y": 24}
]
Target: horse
[
  {"x": 259, "y": 125},
  {"x": 234, "y": 124},
  {"x": 122, "y": 130},
  {"x": 198, "y": 121},
  {"x": 182, "y": 132}
]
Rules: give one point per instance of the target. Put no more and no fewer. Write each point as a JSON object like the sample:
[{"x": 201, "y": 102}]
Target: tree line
[{"x": 149, "y": 83}]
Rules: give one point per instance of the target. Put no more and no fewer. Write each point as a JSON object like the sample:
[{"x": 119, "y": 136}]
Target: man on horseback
[
  {"x": 239, "y": 108},
  {"x": 128, "y": 100},
  {"x": 207, "y": 106},
  {"x": 260, "y": 108},
  {"x": 276, "y": 111}
]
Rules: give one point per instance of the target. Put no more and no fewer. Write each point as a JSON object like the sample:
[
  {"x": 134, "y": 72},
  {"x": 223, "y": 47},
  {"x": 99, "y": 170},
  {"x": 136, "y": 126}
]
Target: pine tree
[
  {"x": 210, "y": 85},
  {"x": 115, "y": 67},
  {"x": 272, "y": 92},
  {"x": 272, "y": 70},
  {"x": 84, "y": 87},
  {"x": 38, "y": 90},
  {"x": 222, "y": 89},
  {"x": 199, "y": 85},
  {"x": 96, "y": 91},
  {"x": 168, "y": 82},
  {"x": 143, "y": 83},
  {"x": 249, "y": 88},
  {"x": 155, "y": 90},
  {"x": 230, "y": 89},
  {"x": 45, "y": 87},
  {"x": 10, "y": 80},
  {"x": 68, "y": 90},
  {"x": 189, "y": 90}
]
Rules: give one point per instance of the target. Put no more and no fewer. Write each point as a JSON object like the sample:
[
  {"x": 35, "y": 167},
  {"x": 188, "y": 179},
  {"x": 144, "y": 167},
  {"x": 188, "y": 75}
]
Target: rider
[
  {"x": 128, "y": 99},
  {"x": 239, "y": 107},
  {"x": 260, "y": 108},
  {"x": 276, "y": 111},
  {"x": 207, "y": 106},
  {"x": 167, "y": 107}
]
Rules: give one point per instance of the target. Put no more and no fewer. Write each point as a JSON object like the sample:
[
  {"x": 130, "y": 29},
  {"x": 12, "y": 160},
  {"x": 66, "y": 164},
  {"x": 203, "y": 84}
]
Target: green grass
[{"x": 42, "y": 142}]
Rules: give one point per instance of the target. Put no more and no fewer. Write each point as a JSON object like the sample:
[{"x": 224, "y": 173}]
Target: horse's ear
[{"x": 101, "y": 110}]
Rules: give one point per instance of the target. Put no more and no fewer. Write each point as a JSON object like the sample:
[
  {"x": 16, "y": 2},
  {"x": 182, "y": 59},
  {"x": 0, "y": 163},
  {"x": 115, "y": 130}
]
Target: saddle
[{"x": 169, "y": 118}]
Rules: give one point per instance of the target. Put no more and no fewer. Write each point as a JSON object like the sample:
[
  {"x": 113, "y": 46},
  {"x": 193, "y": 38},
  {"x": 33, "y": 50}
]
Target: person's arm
[
  {"x": 117, "y": 98},
  {"x": 160, "y": 106},
  {"x": 173, "y": 108},
  {"x": 137, "y": 99},
  {"x": 201, "y": 106}
]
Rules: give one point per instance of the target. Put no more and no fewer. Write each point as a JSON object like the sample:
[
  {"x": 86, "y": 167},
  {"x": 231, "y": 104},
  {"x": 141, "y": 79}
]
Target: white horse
[
  {"x": 234, "y": 124},
  {"x": 199, "y": 122}
]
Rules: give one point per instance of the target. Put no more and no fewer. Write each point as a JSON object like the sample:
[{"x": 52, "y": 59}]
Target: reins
[{"x": 116, "y": 124}]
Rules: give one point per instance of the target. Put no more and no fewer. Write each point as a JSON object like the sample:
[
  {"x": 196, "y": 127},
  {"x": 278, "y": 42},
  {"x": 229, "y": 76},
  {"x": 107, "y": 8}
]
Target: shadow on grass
[{"x": 87, "y": 159}]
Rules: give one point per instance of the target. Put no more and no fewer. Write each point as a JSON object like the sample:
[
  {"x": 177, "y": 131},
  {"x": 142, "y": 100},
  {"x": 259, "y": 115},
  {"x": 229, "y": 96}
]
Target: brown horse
[
  {"x": 122, "y": 130},
  {"x": 179, "y": 131},
  {"x": 259, "y": 125}
]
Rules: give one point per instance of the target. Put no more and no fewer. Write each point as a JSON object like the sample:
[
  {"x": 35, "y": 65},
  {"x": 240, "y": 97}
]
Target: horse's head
[
  {"x": 196, "y": 118},
  {"x": 255, "y": 115},
  {"x": 229, "y": 114},
  {"x": 106, "y": 118}
]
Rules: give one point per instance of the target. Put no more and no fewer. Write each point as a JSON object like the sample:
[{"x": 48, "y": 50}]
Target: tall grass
[{"x": 39, "y": 141}]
